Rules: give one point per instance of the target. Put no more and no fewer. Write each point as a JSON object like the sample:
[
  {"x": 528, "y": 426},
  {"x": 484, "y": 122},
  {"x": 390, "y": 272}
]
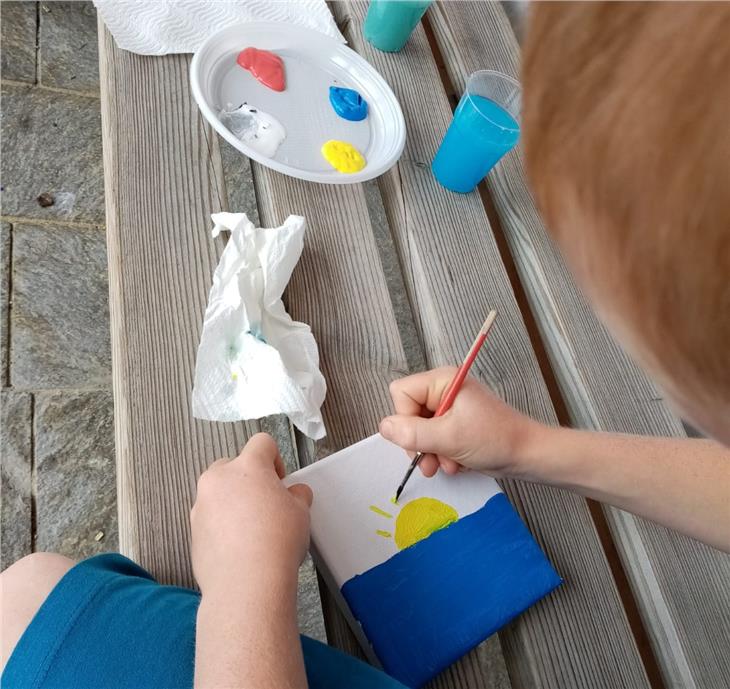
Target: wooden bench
[{"x": 393, "y": 276}]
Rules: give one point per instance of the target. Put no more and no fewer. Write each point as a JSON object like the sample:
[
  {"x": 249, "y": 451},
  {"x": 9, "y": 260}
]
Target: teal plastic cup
[
  {"x": 389, "y": 23},
  {"x": 484, "y": 128}
]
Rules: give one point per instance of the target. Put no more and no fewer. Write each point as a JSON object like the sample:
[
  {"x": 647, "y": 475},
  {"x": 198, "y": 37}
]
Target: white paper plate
[{"x": 313, "y": 62}]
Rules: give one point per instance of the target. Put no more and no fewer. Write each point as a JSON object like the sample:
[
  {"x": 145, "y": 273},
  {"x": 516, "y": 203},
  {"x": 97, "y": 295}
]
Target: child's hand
[
  {"x": 245, "y": 518},
  {"x": 479, "y": 431}
]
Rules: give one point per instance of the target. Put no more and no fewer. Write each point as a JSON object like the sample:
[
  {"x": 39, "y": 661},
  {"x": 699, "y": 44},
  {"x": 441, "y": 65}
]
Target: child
[
  {"x": 105, "y": 624},
  {"x": 626, "y": 142},
  {"x": 627, "y": 148}
]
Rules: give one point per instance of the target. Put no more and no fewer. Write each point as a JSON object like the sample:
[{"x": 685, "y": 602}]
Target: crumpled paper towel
[
  {"x": 159, "y": 27},
  {"x": 253, "y": 359}
]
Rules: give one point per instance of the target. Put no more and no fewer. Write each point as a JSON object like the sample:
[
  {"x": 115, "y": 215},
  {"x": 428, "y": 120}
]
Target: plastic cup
[
  {"x": 389, "y": 23},
  {"x": 484, "y": 128}
]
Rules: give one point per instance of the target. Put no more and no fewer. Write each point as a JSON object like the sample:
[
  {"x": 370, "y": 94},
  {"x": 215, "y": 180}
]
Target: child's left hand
[{"x": 244, "y": 517}]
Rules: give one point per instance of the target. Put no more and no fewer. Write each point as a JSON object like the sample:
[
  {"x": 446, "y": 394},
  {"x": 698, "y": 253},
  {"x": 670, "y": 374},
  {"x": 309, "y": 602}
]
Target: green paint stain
[
  {"x": 384, "y": 534},
  {"x": 382, "y": 513}
]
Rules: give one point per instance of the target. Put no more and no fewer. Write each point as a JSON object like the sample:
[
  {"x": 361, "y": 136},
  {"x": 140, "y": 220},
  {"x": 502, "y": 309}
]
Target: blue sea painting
[
  {"x": 431, "y": 603},
  {"x": 430, "y": 577}
]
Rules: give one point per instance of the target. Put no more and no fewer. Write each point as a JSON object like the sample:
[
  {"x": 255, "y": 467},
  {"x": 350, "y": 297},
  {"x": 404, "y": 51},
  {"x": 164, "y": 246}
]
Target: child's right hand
[{"x": 479, "y": 431}]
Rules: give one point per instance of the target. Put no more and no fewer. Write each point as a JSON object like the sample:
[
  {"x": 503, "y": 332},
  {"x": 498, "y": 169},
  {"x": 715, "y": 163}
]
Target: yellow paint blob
[
  {"x": 343, "y": 157},
  {"x": 384, "y": 534},
  {"x": 382, "y": 513},
  {"x": 419, "y": 518},
  {"x": 393, "y": 500}
]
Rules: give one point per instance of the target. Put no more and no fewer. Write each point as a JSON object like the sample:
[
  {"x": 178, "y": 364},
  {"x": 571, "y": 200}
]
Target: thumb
[
  {"x": 302, "y": 492},
  {"x": 418, "y": 434}
]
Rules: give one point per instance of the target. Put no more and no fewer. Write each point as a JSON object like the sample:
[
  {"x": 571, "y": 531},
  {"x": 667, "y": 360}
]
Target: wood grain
[
  {"x": 682, "y": 586},
  {"x": 160, "y": 191},
  {"x": 454, "y": 275},
  {"x": 339, "y": 289}
]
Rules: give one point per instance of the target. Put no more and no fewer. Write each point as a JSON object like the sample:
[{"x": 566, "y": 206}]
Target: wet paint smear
[
  {"x": 421, "y": 517},
  {"x": 261, "y": 131},
  {"x": 266, "y": 66},
  {"x": 343, "y": 157},
  {"x": 348, "y": 103},
  {"x": 382, "y": 513}
]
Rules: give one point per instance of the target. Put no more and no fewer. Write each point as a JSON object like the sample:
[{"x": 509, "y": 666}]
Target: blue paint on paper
[
  {"x": 431, "y": 603},
  {"x": 348, "y": 103}
]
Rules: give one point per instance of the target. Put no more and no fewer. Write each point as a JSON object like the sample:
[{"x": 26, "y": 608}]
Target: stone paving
[
  {"x": 58, "y": 482},
  {"x": 57, "y": 488}
]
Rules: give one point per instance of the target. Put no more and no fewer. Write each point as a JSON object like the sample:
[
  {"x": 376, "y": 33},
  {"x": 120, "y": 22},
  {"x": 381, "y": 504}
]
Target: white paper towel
[
  {"x": 159, "y": 27},
  {"x": 253, "y": 359}
]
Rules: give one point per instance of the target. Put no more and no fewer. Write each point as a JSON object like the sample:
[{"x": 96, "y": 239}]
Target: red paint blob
[{"x": 267, "y": 67}]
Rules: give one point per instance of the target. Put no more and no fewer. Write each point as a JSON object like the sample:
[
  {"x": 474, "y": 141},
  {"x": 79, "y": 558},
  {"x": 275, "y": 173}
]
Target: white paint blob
[{"x": 261, "y": 131}]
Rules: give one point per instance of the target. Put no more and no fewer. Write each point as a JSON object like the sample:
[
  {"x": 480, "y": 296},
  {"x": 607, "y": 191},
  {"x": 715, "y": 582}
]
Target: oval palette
[{"x": 313, "y": 63}]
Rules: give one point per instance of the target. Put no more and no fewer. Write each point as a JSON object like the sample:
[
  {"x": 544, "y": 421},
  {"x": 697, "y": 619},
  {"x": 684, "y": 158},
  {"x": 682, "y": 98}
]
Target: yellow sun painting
[{"x": 417, "y": 520}]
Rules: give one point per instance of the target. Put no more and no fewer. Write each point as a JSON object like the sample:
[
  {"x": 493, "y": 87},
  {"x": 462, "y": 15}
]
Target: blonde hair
[{"x": 627, "y": 139}]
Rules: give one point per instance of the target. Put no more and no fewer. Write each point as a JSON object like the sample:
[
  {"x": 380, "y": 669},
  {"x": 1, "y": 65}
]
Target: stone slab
[
  {"x": 18, "y": 38},
  {"x": 15, "y": 476},
  {"x": 309, "y": 606},
  {"x": 5, "y": 249},
  {"x": 59, "y": 323},
  {"x": 51, "y": 145},
  {"x": 69, "y": 53},
  {"x": 238, "y": 181},
  {"x": 75, "y": 469}
]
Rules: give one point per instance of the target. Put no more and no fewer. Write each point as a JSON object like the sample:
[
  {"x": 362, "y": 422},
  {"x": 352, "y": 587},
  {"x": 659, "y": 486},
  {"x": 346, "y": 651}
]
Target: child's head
[{"x": 627, "y": 139}]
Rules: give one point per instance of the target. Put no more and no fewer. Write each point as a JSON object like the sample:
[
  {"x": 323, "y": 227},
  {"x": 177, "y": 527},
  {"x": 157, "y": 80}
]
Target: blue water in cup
[
  {"x": 481, "y": 132},
  {"x": 389, "y": 23}
]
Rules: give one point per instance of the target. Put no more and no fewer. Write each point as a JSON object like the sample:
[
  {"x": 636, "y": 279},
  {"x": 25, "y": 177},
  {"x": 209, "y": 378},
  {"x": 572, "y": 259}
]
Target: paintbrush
[{"x": 453, "y": 389}]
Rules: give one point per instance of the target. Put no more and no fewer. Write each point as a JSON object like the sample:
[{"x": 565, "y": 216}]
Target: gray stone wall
[{"x": 58, "y": 488}]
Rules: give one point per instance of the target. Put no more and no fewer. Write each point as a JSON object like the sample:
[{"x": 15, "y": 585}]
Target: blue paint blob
[
  {"x": 348, "y": 103},
  {"x": 431, "y": 603}
]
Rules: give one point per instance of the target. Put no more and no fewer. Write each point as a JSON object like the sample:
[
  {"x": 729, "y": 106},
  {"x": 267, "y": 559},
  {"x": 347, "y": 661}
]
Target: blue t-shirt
[{"x": 109, "y": 625}]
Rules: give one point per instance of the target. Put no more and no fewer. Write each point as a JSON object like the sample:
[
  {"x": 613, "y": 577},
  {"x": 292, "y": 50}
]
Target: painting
[{"x": 430, "y": 577}]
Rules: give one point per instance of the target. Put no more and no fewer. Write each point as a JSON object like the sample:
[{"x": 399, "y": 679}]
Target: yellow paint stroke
[
  {"x": 384, "y": 534},
  {"x": 342, "y": 156},
  {"x": 421, "y": 517},
  {"x": 393, "y": 500},
  {"x": 382, "y": 513}
]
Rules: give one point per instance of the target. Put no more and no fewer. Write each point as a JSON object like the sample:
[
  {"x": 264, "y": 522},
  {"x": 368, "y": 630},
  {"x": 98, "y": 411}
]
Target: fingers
[
  {"x": 262, "y": 451},
  {"x": 422, "y": 390},
  {"x": 449, "y": 466},
  {"x": 429, "y": 465},
  {"x": 219, "y": 463},
  {"x": 416, "y": 433},
  {"x": 302, "y": 492}
]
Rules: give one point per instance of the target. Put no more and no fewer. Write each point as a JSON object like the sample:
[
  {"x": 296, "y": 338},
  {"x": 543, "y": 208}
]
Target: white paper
[
  {"x": 159, "y": 27},
  {"x": 347, "y": 483},
  {"x": 253, "y": 359}
]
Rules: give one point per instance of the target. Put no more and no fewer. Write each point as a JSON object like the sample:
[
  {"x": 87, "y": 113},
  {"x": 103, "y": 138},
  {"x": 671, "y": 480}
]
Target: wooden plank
[
  {"x": 340, "y": 289},
  {"x": 140, "y": 293},
  {"x": 160, "y": 191},
  {"x": 454, "y": 274},
  {"x": 681, "y": 586}
]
